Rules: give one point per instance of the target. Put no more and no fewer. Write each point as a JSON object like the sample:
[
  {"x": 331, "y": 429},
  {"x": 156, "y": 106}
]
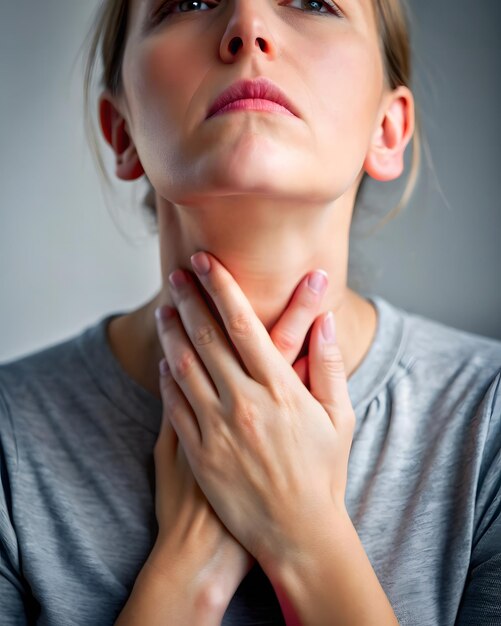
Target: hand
[
  {"x": 185, "y": 518},
  {"x": 191, "y": 536},
  {"x": 270, "y": 456}
]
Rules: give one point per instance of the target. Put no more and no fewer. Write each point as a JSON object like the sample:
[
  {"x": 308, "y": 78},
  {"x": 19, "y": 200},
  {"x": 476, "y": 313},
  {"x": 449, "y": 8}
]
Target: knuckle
[
  {"x": 245, "y": 414},
  {"x": 204, "y": 335},
  {"x": 280, "y": 390},
  {"x": 333, "y": 361},
  {"x": 285, "y": 340},
  {"x": 239, "y": 324},
  {"x": 184, "y": 365}
]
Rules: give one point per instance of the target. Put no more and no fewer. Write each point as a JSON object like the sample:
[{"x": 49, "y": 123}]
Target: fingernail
[
  {"x": 164, "y": 312},
  {"x": 329, "y": 328},
  {"x": 178, "y": 279},
  {"x": 163, "y": 366},
  {"x": 317, "y": 281},
  {"x": 201, "y": 263}
]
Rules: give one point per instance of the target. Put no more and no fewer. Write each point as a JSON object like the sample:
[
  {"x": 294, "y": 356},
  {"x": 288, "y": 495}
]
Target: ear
[
  {"x": 115, "y": 130},
  {"x": 385, "y": 158}
]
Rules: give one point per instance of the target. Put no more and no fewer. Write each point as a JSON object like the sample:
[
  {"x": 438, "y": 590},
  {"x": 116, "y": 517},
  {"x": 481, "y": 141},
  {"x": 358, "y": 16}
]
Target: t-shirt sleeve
[
  {"x": 12, "y": 608},
  {"x": 481, "y": 600}
]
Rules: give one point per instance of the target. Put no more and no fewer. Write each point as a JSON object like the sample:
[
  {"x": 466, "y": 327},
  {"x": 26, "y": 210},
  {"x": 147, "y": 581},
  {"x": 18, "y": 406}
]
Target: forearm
[
  {"x": 331, "y": 580},
  {"x": 177, "y": 597}
]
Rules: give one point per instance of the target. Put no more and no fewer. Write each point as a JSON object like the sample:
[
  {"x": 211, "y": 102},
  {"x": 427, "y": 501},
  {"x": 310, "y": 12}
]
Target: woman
[{"x": 284, "y": 467}]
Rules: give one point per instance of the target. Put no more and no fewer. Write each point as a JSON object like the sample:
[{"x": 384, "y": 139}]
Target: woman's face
[{"x": 325, "y": 59}]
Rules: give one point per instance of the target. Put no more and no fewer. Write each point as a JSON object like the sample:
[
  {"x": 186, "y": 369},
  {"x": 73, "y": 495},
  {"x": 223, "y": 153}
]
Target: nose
[{"x": 248, "y": 31}]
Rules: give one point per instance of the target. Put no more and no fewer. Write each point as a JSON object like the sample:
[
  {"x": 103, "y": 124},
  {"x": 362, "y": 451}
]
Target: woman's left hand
[{"x": 270, "y": 455}]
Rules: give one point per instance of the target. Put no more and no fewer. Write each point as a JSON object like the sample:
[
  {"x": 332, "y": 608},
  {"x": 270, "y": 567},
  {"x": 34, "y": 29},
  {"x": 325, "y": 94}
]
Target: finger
[
  {"x": 301, "y": 369},
  {"x": 289, "y": 332},
  {"x": 179, "y": 413},
  {"x": 205, "y": 333},
  {"x": 328, "y": 382},
  {"x": 167, "y": 440},
  {"x": 245, "y": 329},
  {"x": 184, "y": 364}
]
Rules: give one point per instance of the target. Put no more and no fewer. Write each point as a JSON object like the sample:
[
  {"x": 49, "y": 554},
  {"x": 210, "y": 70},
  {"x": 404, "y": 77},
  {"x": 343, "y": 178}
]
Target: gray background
[{"x": 67, "y": 258}]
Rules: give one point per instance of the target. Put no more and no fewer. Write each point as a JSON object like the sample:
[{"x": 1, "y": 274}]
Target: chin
[{"x": 285, "y": 180}]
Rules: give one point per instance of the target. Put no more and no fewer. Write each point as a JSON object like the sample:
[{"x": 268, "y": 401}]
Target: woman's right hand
[{"x": 192, "y": 541}]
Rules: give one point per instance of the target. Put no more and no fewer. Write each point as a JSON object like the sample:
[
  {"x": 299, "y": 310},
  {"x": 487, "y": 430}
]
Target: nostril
[{"x": 235, "y": 45}]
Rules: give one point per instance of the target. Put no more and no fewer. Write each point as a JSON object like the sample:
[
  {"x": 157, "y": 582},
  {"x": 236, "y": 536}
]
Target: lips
[{"x": 257, "y": 89}]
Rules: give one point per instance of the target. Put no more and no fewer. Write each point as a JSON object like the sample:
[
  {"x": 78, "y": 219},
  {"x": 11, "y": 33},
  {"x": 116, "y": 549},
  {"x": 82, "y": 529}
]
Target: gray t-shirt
[{"x": 77, "y": 516}]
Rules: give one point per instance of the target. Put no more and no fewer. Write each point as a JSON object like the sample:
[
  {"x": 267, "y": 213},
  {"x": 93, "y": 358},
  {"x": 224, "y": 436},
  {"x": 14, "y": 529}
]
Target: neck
[
  {"x": 268, "y": 249},
  {"x": 265, "y": 248}
]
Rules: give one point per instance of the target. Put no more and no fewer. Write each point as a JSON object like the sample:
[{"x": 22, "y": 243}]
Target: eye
[
  {"x": 169, "y": 7},
  {"x": 318, "y": 4}
]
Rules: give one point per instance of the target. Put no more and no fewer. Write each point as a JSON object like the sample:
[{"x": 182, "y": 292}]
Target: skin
[{"x": 270, "y": 196}]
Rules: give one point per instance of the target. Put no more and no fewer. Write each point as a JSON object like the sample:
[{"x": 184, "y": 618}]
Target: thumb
[{"x": 328, "y": 382}]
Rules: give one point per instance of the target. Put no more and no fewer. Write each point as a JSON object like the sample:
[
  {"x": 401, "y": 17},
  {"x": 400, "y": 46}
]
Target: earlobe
[
  {"x": 115, "y": 132},
  {"x": 385, "y": 158}
]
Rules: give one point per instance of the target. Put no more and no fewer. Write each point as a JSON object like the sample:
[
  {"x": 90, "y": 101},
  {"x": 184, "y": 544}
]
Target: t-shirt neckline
[
  {"x": 383, "y": 355},
  {"x": 142, "y": 406}
]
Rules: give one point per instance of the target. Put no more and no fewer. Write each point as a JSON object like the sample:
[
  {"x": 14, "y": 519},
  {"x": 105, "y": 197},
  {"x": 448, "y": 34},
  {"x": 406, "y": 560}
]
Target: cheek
[
  {"x": 349, "y": 86},
  {"x": 153, "y": 83},
  {"x": 159, "y": 92},
  {"x": 159, "y": 89}
]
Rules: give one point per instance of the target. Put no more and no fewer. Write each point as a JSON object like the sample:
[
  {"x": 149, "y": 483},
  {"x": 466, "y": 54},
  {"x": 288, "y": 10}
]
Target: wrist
[
  {"x": 330, "y": 575},
  {"x": 209, "y": 580},
  {"x": 305, "y": 542},
  {"x": 304, "y": 558},
  {"x": 177, "y": 595}
]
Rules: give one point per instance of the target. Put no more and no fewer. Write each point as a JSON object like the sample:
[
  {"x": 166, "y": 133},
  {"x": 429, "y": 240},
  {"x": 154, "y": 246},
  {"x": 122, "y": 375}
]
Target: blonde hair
[{"x": 107, "y": 38}]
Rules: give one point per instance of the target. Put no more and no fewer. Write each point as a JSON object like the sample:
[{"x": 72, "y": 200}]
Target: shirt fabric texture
[{"x": 77, "y": 517}]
